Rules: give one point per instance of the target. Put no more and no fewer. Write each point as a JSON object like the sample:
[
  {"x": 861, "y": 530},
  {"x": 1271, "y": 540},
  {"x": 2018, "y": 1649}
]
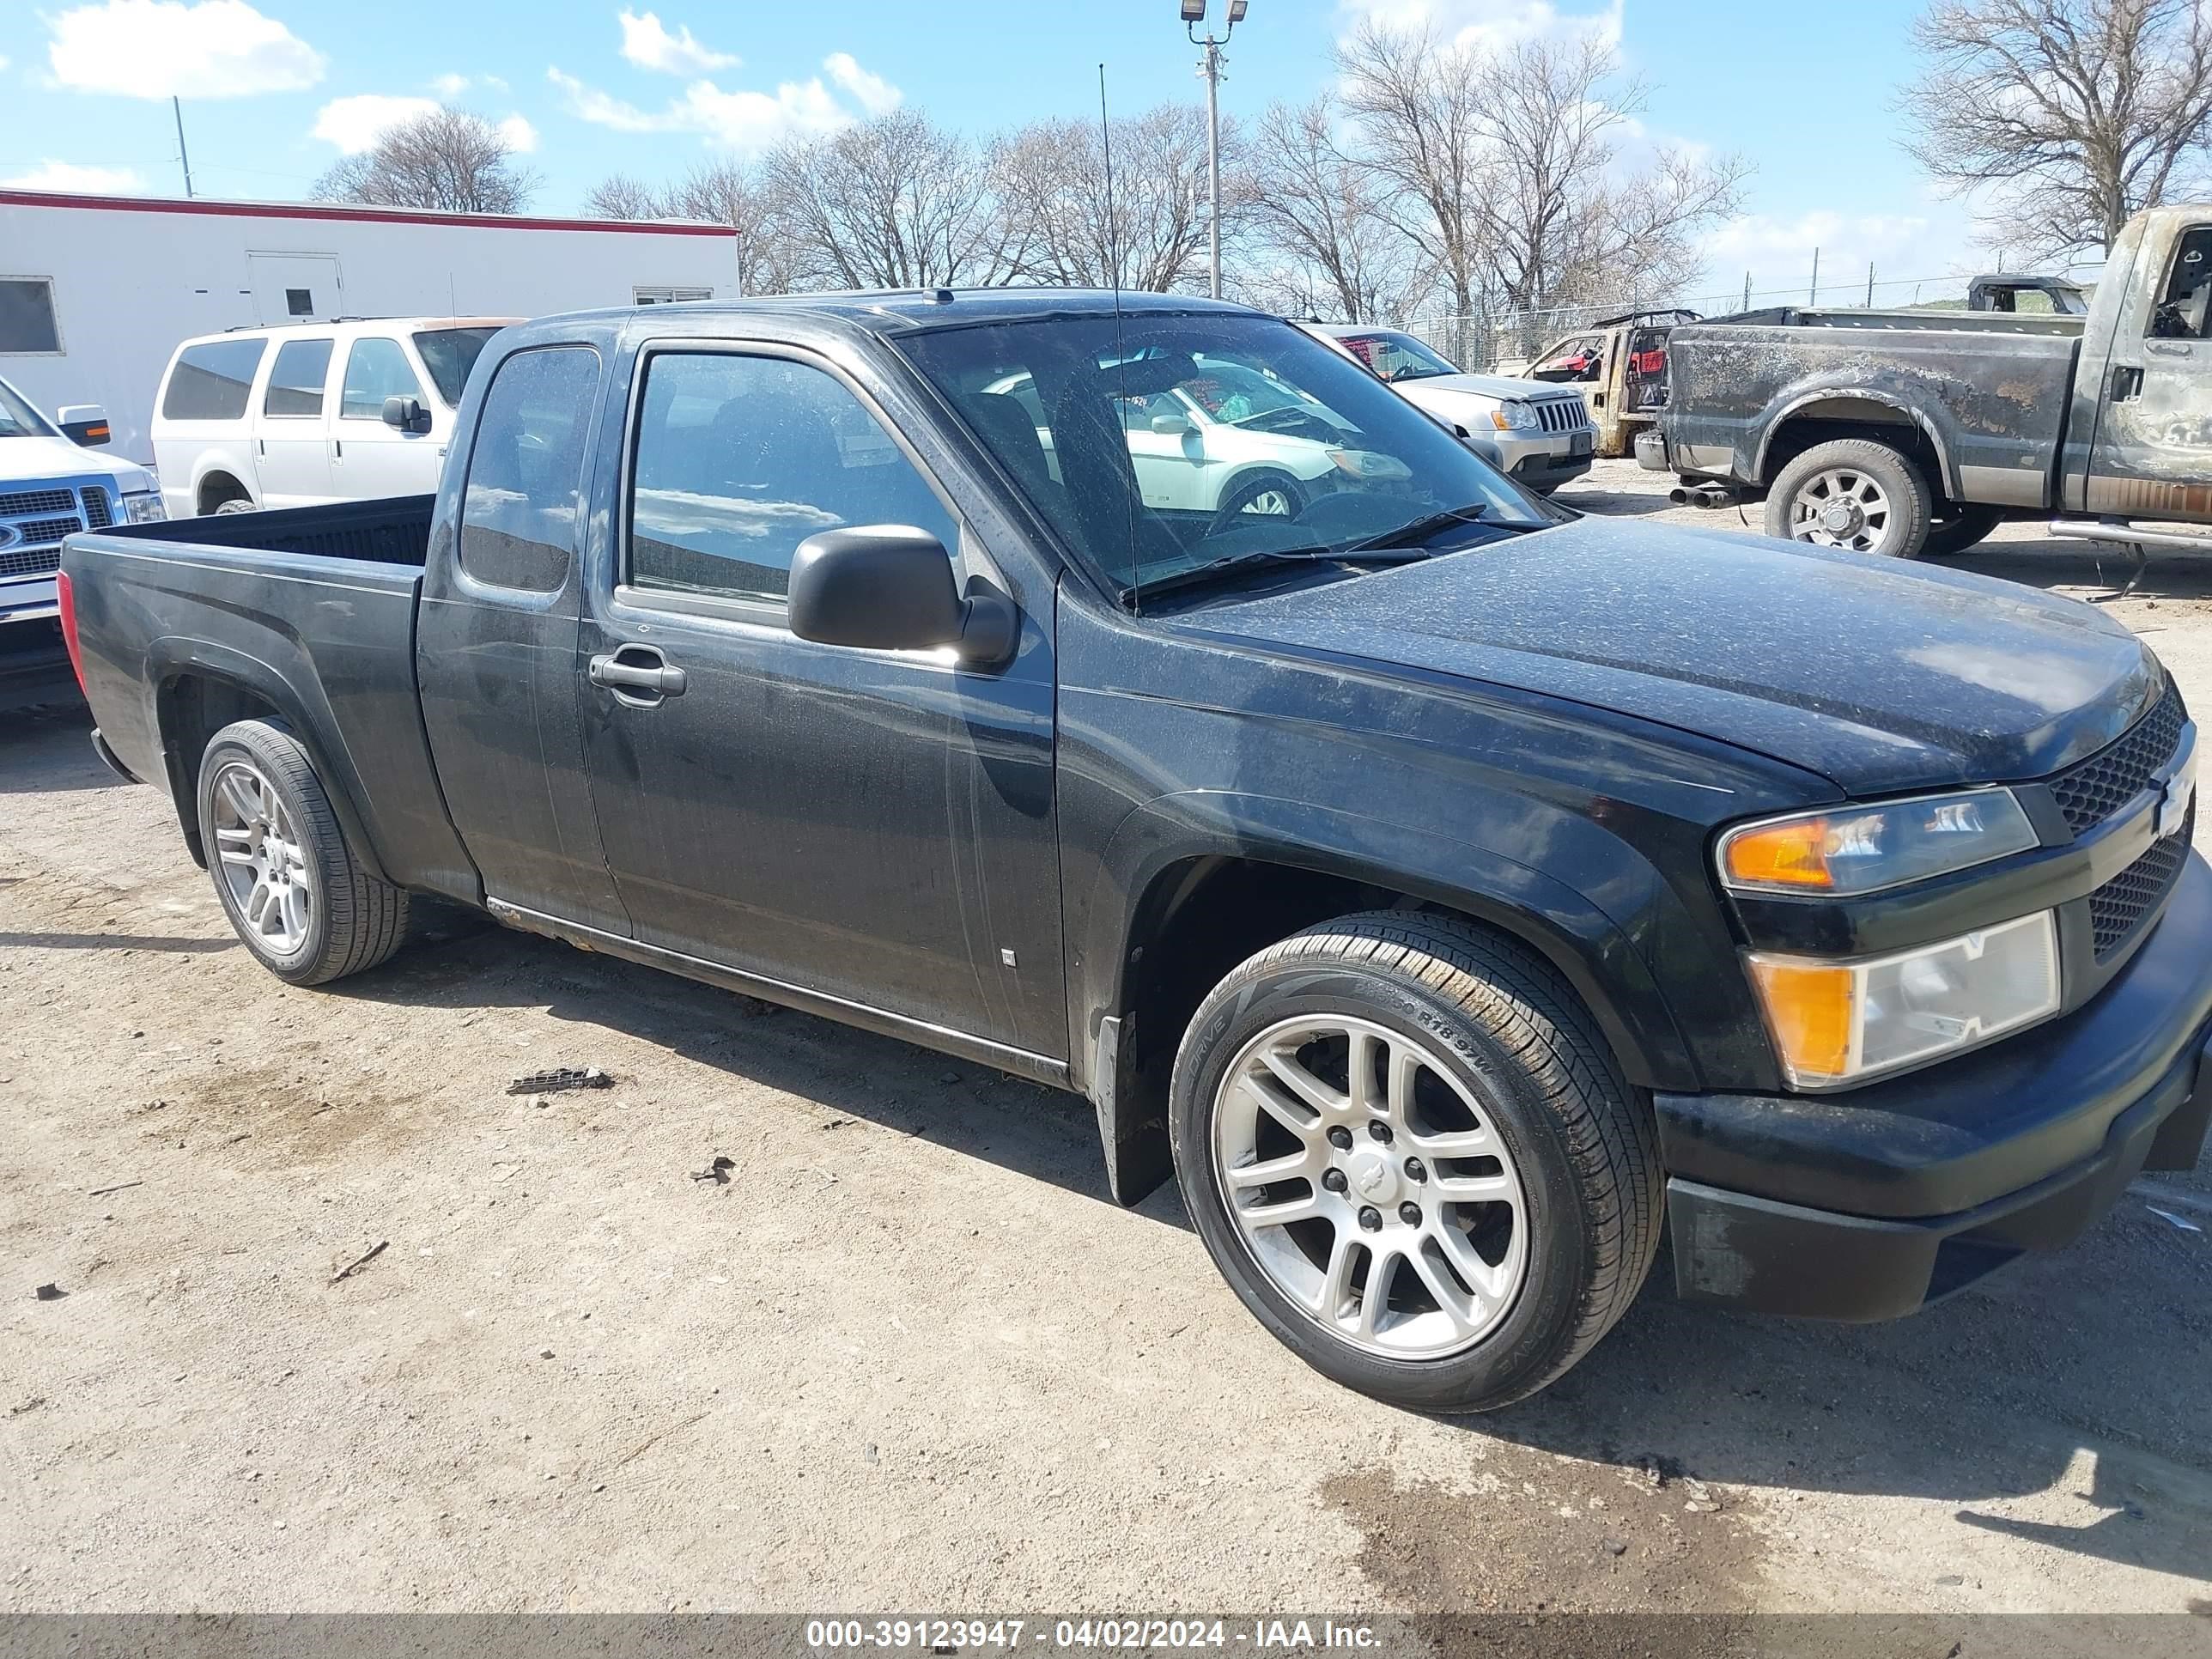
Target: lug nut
[
  {"x": 1381, "y": 1131},
  {"x": 1416, "y": 1170},
  {"x": 1370, "y": 1219},
  {"x": 1410, "y": 1214},
  {"x": 1340, "y": 1138},
  {"x": 1334, "y": 1180}
]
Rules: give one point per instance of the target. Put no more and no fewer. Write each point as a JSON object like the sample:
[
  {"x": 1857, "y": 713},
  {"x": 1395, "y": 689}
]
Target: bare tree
[
  {"x": 895, "y": 202},
  {"x": 1416, "y": 98},
  {"x": 2079, "y": 112},
  {"x": 1325, "y": 217},
  {"x": 1050, "y": 180},
  {"x": 621, "y": 196},
  {"x": 448, "y": 159}
]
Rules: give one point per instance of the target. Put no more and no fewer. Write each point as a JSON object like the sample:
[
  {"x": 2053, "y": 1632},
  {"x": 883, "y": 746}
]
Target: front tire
[
  {"x": 1411, "y": 1155},
  {"x": 294, "y": 891},
  {"x": 1853, "y": 493}
]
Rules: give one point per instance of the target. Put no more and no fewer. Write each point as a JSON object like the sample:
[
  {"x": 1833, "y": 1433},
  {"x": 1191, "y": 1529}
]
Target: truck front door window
[
  {"x": 2184, "y": 311},
  {"x": 376, "y": 368},
  {"x": 740, "y": 458},
  {"x": 526, "y": 468}
]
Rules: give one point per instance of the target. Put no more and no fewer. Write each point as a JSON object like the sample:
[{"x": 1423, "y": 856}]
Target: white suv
[{"x": 324, "y": 412}]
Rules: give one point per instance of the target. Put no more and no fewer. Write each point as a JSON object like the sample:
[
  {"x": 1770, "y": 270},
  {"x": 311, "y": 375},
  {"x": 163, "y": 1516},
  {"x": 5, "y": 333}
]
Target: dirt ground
[{"x": 907, "y": 1356}]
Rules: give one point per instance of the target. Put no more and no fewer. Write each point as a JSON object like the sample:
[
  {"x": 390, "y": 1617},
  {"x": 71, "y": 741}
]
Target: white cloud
[
  {"x": 354, "y": 124},
  {"x": 745, "y": 121},
  {"x": 167, "y": 48},
  {"x": 646, "y": 44},
  {"x": 1493, "y": 23},
  {"x": 872, "y": 92},
  {"x": 450, "y": 86},
  {"x": 1915, "y": 256},
  {"x": 4, "y": 65},
  {"x": 84, "y": 180},
  {"x": 521, "y": 137}
]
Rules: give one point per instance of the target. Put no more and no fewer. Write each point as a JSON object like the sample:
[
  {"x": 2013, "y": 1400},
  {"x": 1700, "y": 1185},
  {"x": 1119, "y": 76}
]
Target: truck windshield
[
  {"x": 18, "y": 419},
  {"x": 449, "y": 354},
  {"x": 1091, "y": 417}
]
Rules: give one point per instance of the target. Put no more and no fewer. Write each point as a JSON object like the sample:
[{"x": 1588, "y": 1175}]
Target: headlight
[
  {"x": 143, "y": 509},
  {"x": 1847, "y": 851},
  {"x": 1840, "y": 1022},
  {"x": 1514, "y": 417},
  {"x": 1369, "y": 463}
]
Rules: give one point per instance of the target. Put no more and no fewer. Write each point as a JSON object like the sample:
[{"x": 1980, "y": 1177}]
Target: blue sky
[{"x": 275, "y": 89}]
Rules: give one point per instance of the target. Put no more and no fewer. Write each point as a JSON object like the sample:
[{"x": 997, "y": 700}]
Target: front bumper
[
  {"x": 1868, "y": 1205},
  {"x": 1549, "y": 471}
]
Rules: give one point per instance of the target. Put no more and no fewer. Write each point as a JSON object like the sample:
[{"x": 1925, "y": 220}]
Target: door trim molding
[{"x": 1004, "y": 1056}]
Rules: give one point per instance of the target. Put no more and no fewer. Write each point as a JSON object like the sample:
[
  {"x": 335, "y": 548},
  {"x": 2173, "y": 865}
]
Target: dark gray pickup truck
[
  {"x": 1915, "y": 433},
  {"x": 1443, "y": 889}
]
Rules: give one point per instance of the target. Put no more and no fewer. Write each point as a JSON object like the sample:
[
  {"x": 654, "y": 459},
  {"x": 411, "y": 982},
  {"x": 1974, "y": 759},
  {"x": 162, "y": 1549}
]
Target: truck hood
[
  {"x": 1490, "y": 388},
  {"x": 1881, "y": 676},
  {"x": 42, "y": 460}
]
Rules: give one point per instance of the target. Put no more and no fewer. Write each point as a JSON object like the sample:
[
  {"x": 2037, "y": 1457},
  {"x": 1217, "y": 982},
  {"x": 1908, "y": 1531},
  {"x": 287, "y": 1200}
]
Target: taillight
[{"x": 66, "y": 596}]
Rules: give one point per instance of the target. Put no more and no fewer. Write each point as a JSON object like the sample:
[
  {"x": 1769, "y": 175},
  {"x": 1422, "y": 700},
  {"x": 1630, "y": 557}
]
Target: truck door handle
[
  {"x": 637, "y": 668},
  {"x": 2127, "y": 381}
]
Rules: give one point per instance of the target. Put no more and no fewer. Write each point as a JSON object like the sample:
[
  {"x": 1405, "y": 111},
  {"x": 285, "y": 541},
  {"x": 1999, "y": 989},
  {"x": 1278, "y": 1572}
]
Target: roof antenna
[{"x": 1121, "y": 356}]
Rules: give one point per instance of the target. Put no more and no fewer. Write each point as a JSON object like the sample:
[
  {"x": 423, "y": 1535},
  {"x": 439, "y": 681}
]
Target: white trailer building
[{"x": 97, "y": 291}]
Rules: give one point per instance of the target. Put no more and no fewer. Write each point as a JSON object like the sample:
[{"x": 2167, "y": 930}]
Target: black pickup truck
[
  {"x": 1915, "y": 433},
  {"x": 1445, "y": 889}
]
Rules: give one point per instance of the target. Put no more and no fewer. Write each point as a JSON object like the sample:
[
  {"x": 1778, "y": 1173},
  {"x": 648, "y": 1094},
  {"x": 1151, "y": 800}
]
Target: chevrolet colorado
[{"x": 1444, "y": 888}]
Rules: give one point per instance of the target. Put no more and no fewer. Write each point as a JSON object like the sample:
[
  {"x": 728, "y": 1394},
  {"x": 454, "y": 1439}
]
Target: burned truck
[{"x": 1915, "y": 433}]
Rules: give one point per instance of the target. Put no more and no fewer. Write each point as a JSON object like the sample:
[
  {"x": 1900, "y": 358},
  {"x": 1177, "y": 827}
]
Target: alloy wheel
[{"x": 262, "y": 862}]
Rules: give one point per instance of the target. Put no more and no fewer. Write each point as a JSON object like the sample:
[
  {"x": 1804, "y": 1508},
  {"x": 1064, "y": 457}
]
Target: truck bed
[
  {"x": 184, "y": 625},
  {"x": 1991, "y": 389}
]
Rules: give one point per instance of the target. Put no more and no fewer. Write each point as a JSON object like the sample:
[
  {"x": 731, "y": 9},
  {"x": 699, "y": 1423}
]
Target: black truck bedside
[{"x": 1443, "y": 889}]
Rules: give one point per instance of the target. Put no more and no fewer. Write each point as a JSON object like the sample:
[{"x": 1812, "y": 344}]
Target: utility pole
[
  {"x": 183, "y": 154},
  {"x": 1747, "y": 290},
  {"x": 1813, "y": 297},
  {"x": 1870, "y": 285},
  {"x": 1209, "y": 69}
]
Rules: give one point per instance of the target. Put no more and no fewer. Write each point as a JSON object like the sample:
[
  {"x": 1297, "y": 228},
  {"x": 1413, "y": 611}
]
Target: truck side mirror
[
  {"x": 83, "y": 424},
  {"x": 891, "y": 587},
  {"x": 407, "y": 414}
]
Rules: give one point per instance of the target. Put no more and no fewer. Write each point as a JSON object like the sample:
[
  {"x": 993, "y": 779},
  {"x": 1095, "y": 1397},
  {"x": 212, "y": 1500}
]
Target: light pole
[{"x": 1209, "y": 66}]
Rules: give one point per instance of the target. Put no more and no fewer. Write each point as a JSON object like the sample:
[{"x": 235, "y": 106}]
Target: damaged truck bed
[{"x": 1914, "y": 433}]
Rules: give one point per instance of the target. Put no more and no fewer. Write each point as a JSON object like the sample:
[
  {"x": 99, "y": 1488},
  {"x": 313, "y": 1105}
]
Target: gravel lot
[{"x": 909, "y": 1356}]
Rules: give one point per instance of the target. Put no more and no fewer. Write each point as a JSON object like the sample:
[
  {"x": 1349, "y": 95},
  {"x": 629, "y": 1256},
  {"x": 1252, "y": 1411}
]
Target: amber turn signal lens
[
  {"x": 1808, "y": 1008},
  {"x": 1793, "y": 853}
]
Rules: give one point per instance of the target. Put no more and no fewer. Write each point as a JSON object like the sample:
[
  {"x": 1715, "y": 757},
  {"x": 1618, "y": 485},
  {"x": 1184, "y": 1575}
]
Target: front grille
[
  {"x": 20, "y": 563},
  {"x": 96, "y": 515},
  {"x": 2121, "y": 905},
  {"x": 37, "y": 500},
  {"x": 2116, "y": 774},
  {"x": 47, "y": 532},
  {"x": 1562, "y": 414}
]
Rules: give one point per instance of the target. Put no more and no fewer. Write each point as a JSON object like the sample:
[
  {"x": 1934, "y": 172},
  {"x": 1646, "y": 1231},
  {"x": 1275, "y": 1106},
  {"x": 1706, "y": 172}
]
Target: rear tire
[
  {"x": 294, "y": 891},
  {"x": 1852, "y": 493},
  {"x": 1531, "y": 1147}
]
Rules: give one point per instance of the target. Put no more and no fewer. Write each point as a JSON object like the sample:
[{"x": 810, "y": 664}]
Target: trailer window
[
  {"x": 295, "y": 384},
  {"x": 527, "y": 470},
  {"x": 27, "y": 328},
  {"x": 376, "y": 368},
  {"x": 212, "y": 379}
]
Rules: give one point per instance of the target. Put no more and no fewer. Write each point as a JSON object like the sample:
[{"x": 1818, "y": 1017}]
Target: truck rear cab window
[
  {"x": 2184, "y": 311},
  {"x": 527, "y": 470},
  {"x": 376, "y": 368},
  {"x": 741, "y": 458},
  {"x": 296, "y": 381},
  {"x": 27, "y": 326},
  {"x": 212, "y": 381}
]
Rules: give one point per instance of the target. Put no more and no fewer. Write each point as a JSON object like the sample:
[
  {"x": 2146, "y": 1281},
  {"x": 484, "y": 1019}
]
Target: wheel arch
[
  {"x": 195, "y": 698},
  {"x": 216, "y": 480},
  {"x": 1195, "y": 907},
  {"x": 1876, "y": 413}
]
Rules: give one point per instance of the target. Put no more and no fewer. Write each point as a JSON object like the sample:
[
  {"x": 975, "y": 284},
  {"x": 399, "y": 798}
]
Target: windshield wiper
[
  {"x": 1430, "y": 523},
  {"x": 1216, "y": 568}
]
